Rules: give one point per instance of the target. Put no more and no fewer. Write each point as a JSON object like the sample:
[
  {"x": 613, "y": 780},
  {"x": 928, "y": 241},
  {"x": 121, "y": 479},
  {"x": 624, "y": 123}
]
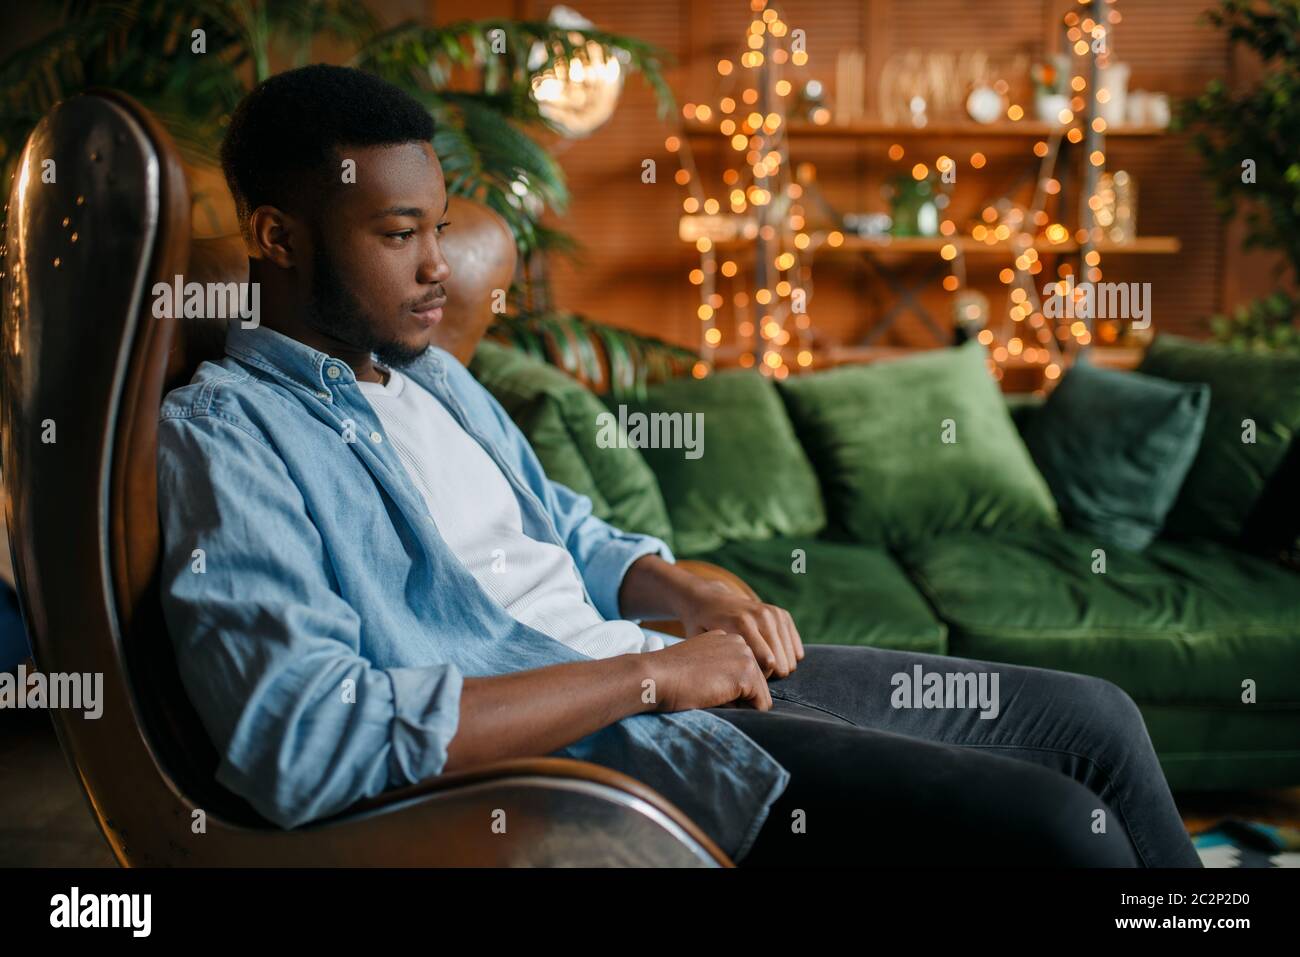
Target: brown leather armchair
[{"x": 85, "y": 366}]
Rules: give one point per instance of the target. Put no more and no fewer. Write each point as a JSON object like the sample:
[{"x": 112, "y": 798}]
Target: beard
[{"x": 335, "y": 312}]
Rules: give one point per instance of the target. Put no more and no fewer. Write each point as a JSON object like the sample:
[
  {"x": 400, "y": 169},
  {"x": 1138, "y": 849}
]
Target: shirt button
[
  {"x": 376, "y": 437},
  {"x": 322, "y": 395},
  {"x": 332, "y": 372}
]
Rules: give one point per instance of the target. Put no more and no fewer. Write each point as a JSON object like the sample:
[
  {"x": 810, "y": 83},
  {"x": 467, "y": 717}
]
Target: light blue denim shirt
[{"x": 323, "y": 628}]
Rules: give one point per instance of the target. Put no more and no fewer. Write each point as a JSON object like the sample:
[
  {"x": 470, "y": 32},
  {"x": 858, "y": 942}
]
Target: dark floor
[{"x": 45, "y": 820}]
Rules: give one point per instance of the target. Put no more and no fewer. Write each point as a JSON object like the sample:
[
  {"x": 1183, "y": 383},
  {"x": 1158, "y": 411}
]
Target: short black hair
[{"x": 286, "y": 133}]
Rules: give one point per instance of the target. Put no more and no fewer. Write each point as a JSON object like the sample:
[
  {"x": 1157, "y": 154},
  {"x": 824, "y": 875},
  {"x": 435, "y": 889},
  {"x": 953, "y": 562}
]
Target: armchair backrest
[{"x": 98, "y": 213}]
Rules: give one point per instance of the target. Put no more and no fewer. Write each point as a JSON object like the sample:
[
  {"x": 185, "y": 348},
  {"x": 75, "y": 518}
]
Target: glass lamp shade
[{"x": 578, "y": 94}]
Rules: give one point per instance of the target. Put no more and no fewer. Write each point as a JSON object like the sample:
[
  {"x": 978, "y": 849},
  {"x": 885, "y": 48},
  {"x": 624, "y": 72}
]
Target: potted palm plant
[{"x": 191, "y": 61}]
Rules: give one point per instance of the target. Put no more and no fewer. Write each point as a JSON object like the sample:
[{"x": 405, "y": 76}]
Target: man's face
[{"x": 377, "y": 269}]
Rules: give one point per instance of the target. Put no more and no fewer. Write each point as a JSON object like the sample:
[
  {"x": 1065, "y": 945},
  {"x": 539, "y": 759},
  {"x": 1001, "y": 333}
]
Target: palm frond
[{"x": 144, "y": 47}]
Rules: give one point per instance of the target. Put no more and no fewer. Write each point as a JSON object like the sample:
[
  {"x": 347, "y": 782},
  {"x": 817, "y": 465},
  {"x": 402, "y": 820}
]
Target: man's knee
[
  {"x": 1116, "y": 707},
  {"x": 1077, "y": 829}
]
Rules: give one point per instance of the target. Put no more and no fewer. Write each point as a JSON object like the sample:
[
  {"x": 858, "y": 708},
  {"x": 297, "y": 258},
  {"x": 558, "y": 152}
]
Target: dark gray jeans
[{"x": 1064, "y": 775}]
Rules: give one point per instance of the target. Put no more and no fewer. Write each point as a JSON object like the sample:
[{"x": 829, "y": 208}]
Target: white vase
[
  {"x": 1114, "y": 79},
  {"x": 1048, "y": 106}
]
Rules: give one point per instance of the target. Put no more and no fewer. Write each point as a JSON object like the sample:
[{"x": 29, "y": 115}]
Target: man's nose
[{"x": 435, "y": 268}]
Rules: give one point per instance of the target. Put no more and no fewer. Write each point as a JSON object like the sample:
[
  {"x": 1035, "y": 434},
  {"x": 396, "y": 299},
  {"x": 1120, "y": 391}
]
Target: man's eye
[
  {"x": 403, "y": 235},
  {"x": 442, "y": 226}
]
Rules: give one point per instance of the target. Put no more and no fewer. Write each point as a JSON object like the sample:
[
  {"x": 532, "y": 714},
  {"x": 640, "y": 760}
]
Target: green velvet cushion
[
  {"x": 751, "y": 480},
  {"x": 542, "y": 421},
  {"x": 1230, "y": 478},
  {"x": 1184, "y": 622},
  {"x": 877, "y": 437},
  {"x": 1115, "y": 448},
  {"x": 837, "y": 593},
  {"x": 559, "y": 417}
]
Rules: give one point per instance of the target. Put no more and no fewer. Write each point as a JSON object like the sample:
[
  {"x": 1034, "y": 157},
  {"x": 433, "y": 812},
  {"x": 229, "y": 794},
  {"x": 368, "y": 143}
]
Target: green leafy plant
[
  {"x": 1250, "y": 142},
  {"x": 1266, "y": 324},
  {"x": 473, "y": 76}
]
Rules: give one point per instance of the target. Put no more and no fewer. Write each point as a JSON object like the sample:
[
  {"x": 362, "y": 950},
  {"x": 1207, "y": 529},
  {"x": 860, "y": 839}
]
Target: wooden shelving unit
[
  {"x": 706, "y": 134},
  {"x": 806, "y": 139},
  {"x": 873, "y": 130},
  {"x": 931, "y": 245},
  {"x": 1111, "y": 357}
]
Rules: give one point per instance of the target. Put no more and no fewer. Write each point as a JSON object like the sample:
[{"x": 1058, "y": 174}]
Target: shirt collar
[{"x": 287, "y": 358}]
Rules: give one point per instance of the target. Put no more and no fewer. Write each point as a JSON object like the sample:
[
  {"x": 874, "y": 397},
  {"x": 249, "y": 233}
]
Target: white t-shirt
[{"x": 477, "y": 514}]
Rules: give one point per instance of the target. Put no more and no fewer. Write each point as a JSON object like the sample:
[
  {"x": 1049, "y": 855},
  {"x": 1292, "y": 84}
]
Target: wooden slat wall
[{"x": 634, "y": 270}]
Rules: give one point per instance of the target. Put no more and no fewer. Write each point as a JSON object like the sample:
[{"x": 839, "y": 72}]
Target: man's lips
[{"x": 429, "y": 312}]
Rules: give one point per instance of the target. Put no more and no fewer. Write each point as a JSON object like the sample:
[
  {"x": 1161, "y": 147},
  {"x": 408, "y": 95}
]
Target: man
[{"x": 370, "y": 580}]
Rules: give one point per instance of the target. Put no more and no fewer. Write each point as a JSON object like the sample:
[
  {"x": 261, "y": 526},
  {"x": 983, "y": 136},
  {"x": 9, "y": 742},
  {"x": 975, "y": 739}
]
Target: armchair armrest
[
  {"x": 703, "y": 570},
  {"x": 537, "y": 812}
]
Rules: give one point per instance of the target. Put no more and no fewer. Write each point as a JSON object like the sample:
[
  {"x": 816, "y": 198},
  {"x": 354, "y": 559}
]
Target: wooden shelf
[
  {"x": 1111, "y": 357},
  {"x": 872, "y": 129},
  {"x": 930, "y": 245}
]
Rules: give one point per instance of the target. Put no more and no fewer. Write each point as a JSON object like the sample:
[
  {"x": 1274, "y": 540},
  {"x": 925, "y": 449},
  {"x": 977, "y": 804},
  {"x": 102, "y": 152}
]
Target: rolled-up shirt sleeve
[{"x": 267, "y": 648}]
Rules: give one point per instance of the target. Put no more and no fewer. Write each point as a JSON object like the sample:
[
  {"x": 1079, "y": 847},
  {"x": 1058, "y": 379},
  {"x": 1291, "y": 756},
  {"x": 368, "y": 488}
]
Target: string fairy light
[
  {"x": 1025, "y": 333},
  {"x": 769, "y": 300}
]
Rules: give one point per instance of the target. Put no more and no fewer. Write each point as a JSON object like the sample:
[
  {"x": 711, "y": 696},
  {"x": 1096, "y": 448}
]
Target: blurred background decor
[
  {"x": 764, "y": 261},
  {"x": 494, "y": 87},
  {"x": 1249, "y": 140}
]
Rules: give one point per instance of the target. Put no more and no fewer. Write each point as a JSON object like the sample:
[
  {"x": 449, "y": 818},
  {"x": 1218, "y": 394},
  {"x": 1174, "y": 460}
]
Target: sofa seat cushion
[
  {"x": 1182, "y": 623},
  {"x": 837, "y": 593}
]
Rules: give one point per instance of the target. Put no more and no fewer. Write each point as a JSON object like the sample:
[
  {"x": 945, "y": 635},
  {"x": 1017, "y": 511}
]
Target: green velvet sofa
[{"x": 1183, "y": 625}]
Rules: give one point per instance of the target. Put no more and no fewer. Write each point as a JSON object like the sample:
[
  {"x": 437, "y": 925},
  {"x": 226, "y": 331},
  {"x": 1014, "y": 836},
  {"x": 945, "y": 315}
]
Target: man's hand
[
  {"x": 712, "y": 670},
  {"x": 767, "y": 629},
  {"x": 654, "y": 588}
]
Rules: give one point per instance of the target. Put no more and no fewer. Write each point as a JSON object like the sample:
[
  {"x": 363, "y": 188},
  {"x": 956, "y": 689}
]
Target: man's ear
[{"x": 276, "y": 236}]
